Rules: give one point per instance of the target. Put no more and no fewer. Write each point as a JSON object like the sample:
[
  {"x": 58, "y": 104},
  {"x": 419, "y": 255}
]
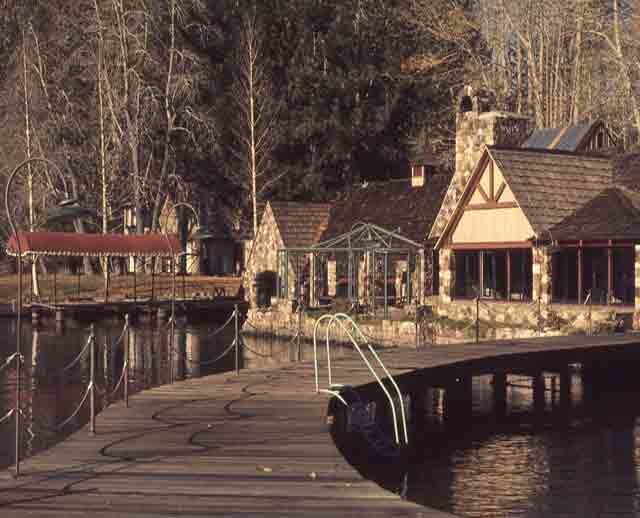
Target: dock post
[
  {"x": 590, "y": 315},
  {"x": 417, "y": 326},
  {"x": 500, "y": 394},
  {"x": 299, "y": 330},
  {"x": 539, "y": 396},
  {"x": 135, "y": 280},
  {"x": 172, "y": 337},
  {"x": 237, "y": 339},
  {"x": 478, "y": 319},
  {"x": 92, "y": 380},
  {"x": 125, "y": 365}
]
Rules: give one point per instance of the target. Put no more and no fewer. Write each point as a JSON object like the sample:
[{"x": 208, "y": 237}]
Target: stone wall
[
  {"x": 281, "y": 320},
  {"x": 476, "y": 129},
  {"x": 264, "y": 254},
  {"x": 455, "y": 321},
  {"x": 541, "y": 274},
  {"x": 331, "y": 277},
  {"x": 447, "y": 275},
  {"x": 450, "y": 323}
]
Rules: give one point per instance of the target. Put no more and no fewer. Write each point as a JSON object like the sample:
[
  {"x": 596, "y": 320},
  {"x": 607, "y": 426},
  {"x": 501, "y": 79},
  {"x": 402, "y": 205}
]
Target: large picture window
[
  {"x": 605, "y": 275},
  {"x": 494, "y": 274}
]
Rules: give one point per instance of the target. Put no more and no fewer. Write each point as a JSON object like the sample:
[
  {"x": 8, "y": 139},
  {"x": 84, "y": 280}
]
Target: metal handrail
[{"x": 339, "y": 319}]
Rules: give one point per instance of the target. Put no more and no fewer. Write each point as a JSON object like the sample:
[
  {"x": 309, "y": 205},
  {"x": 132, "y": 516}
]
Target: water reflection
[
  {"x": 547, "y": 444},
  {"x": 50, "y": 394}
]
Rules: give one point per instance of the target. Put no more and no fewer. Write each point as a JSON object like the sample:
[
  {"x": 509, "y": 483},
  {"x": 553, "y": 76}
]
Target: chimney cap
[{"x": 476, "y": 100}]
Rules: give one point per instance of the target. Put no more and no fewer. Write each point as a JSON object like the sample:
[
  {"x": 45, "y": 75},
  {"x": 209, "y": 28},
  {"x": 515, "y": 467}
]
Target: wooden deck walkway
[{"x": 225, "y": 445}]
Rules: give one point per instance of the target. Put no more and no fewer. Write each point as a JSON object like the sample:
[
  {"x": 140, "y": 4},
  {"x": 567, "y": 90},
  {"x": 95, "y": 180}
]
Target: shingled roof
[
  {"x": 612, "y": 214},
  {"x": 549, "y": 185},
  {"x": 393, "y": 205},
  {"x": 300, "y": 224}
]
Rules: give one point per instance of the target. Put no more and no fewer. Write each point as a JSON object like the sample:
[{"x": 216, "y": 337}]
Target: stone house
[
  {"x": 282, "y": 225},
  {"x": 369, "y": 245},
  {"x": 545, "y": 219}
]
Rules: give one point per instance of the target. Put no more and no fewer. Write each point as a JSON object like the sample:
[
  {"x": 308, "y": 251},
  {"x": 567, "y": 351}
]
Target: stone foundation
[
  {"x": 281, "y": 320},
  {"x": 516, "y": 320},
  {"x": 447, "y": 275},
  {"x": 541, "y": 274},
  {"x": 453, "y": 323}
]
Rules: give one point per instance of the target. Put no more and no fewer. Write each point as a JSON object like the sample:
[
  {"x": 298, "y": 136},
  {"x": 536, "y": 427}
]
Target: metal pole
[
  {"x": 55, "y": 286},
  {"x": 173, "y": 313},
  {"x": 299, "y": 329},
  {"x": 539, "y": 315},
  {"x": 417, "y": 329},
  {"x": 590, "y": 317},
  {"x": 184, "y": 285},
  {"x": 78, "y": 275},
  {"x": 9, "y": 213},
  {"x": 135, "y": 276},
  {"x": 107, "y": 280},
  {"x": 153, "y": 276},
  {"x": 172, "y": 333},
  {"x": 125, "y": 366},
  {"x": 92, "y": 379},
  {"x": 386, "y": 284},
  {"x": 373, "y": 271},
  {"x": 237, "y": 334},
  {"x": 477, "y": 319},
  {"x": 18, "y": 358}
]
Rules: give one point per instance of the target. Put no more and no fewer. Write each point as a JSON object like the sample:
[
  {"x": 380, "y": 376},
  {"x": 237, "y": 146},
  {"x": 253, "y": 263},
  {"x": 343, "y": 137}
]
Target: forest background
[{"x": 230, "y": 103}]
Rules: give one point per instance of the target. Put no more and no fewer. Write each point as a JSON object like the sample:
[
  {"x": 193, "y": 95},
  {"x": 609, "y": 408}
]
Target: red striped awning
[{"x": 94, "y": 245}]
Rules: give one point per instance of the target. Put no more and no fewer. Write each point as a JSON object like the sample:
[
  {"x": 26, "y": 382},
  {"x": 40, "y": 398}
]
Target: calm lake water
[
  {"x": 564, "y": 459},
  {"x": 50, "y": 394}
]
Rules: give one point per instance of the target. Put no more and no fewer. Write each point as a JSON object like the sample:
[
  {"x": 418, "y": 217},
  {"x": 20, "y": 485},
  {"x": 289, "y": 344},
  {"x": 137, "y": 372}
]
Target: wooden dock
[
  {"x": 88, "y": 310},
  {"x": 255, "y": 444}
]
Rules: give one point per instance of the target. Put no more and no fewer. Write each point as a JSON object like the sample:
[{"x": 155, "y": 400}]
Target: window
[
  {"x": 494, "y": 274},
  {"x": 417, "y": 171}
]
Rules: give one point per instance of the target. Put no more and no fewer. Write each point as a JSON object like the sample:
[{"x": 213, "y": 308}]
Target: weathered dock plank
[{"x": 255, "y": 444}]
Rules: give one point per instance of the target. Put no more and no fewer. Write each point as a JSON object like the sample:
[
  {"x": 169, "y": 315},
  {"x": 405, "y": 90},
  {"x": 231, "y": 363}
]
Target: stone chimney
[{"x": 477, "y": 125}]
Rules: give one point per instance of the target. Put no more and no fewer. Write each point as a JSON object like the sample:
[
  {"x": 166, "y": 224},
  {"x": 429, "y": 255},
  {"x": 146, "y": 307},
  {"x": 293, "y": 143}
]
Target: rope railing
[
  {"x": 7, "y": 416},
  {"x": 252, "y": 351},
  {"x": 207, "y": 362},
  {"x": 60, "y": 426},
  {"x": 80, "y": 355},
  {"x": 9, "y": 361},
  {"x": 223, "y": 326}
]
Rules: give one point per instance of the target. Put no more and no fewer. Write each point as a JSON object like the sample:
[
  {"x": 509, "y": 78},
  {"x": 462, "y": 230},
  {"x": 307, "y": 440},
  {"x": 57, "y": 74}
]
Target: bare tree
[{"x": 256, "y": 130}]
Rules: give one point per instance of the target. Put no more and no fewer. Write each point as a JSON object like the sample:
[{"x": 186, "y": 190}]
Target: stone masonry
[
  {"x": 475, "y": 129},
  {"x": 541, "y": 274},
  {"x": 264, "y": 254},
  {"x": 447, "y": 275}
]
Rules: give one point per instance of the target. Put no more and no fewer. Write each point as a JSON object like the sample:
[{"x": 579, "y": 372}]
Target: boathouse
[{"x": 546, "y": 219}]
